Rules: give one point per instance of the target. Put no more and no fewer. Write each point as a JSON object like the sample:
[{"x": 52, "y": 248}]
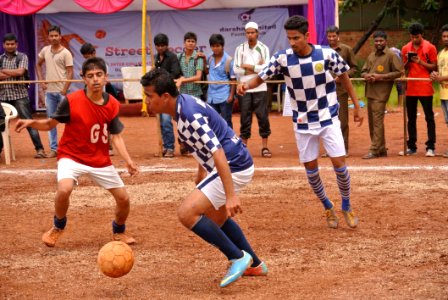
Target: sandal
[{"x": 266, "y": 153}]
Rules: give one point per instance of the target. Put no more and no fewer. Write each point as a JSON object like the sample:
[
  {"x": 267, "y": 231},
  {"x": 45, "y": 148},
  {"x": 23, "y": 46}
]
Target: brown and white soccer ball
[{"x": 115, "y": 259}]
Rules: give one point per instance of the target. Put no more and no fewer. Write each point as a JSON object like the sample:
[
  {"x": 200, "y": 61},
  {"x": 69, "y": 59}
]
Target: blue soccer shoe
[{"x": 237, "y": 269}]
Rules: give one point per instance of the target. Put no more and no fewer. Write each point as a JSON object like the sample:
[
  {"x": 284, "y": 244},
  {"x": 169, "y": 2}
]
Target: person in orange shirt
[{"x": 419, "y": 59}]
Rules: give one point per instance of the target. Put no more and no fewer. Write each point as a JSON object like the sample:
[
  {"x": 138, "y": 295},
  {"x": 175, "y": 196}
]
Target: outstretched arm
[
  {"x": 42, "y": 125},
  {"x": 251, "y": 84}
]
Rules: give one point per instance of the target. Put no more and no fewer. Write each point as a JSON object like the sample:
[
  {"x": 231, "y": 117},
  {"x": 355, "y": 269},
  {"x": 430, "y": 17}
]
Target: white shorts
[
  {"x": 308, "y": 142},
  {"x": 213, "y": 188},
  {"x": 106, "y": 177}
]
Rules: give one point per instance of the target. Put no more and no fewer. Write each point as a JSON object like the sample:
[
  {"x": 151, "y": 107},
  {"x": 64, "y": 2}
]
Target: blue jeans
[
  {"x": 24, "y": 110},
  {"x": 444, "y": 104},
  {"x": 52, "y": 101},
  {"x": 225, "y": 110},
  {"x": 167, "y": 131}
]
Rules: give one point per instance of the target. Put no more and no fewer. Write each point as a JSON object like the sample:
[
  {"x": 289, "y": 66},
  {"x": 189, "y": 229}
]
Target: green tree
[{"x": 396, "y": 7}]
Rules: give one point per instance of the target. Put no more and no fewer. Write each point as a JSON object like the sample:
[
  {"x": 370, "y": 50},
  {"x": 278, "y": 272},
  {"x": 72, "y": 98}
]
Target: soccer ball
[{"x": 115, "y": 259}]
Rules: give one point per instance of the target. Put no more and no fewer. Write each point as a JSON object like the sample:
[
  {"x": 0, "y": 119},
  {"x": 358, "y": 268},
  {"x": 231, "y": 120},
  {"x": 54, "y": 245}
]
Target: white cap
[{"x": 251, "y": 25}]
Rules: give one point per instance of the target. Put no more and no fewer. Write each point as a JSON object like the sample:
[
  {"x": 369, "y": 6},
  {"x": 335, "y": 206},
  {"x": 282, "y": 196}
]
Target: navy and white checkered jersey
[
  {"x": 309, "y": 82},
  {"x": 204, "y": 131}
]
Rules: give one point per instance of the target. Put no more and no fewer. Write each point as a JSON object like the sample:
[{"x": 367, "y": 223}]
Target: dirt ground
[{"x": 399, "y": 250}]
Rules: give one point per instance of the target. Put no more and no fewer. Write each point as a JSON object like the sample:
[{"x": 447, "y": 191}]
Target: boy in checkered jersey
[
  {"x": 225, "y": 167},
  {"x": 315, "y": 108}
]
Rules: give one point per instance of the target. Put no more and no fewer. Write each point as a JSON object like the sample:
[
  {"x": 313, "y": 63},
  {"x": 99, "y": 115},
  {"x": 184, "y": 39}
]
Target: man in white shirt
[{"x": 250, "y": 58}]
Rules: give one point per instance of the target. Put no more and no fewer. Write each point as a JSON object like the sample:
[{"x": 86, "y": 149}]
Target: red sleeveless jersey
[{"x": 85, "y": 137}]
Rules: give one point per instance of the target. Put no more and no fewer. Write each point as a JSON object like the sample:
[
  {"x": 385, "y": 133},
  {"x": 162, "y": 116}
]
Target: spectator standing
[
  {"x": 220, "y": 68},
  {"x": 380, "y": 69},
  {"x": 346, "y": 52},
  {"x": 420, "y": 59},
  {"x": 14, "y": 67},
  {"x": 250, "y": 58},
  {"x": 58, "y": 66},
  {"x": 441, "y": 76},
  {"x": 167, "y": 60}
]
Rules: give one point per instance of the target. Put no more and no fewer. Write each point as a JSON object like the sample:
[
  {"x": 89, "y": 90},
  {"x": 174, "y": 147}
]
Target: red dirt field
[{"x": 399, "y": 250}]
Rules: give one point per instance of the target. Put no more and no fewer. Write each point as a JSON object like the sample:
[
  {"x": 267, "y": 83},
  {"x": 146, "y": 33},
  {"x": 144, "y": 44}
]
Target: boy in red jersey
[{"x": 89, "y": 116}]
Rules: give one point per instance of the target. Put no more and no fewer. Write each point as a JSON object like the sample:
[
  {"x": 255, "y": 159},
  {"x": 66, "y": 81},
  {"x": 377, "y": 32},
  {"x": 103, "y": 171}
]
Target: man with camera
[{"x": 419, "y": 59}]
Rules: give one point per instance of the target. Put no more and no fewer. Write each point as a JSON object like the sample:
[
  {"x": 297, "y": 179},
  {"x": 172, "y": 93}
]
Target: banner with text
[{"x": 117, "y": 37}]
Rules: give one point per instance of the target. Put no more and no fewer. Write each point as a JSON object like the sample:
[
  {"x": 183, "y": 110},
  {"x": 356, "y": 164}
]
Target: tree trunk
[
  {"x": 437, "y": 25},
  {"x": 373, "y": 26}
]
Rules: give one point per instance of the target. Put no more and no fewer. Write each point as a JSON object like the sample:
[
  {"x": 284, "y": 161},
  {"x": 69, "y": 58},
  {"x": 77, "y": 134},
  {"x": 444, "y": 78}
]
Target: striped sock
[
  {"x": 318, "y": 187},
  {"x": 343, "y": 180}
]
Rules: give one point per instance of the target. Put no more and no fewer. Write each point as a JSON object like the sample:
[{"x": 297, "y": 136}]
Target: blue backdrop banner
[{"x": 117, "y": 37}]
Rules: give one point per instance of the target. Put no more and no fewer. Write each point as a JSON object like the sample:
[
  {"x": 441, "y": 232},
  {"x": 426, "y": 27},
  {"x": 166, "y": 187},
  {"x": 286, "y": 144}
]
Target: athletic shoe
[
  {"x": 430, "y": 153},
  {"x": 350, "y": 218},
  {"x": 260, "y": 270},
  {"x": 123, "y": 237},
  {"x": 408, "y": 152},
  {"x": 445, "y": 154},
  {"x": 332, "y": 220},
  {"x": 51, "y": 236},
  {"x": 237, "y": 269},
  {"x": 52, "y": 154}
]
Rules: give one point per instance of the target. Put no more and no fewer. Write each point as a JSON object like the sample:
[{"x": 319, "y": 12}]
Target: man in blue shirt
[
  {"x": 220, "y": 68},
  {"x": 225, "y": 167}
]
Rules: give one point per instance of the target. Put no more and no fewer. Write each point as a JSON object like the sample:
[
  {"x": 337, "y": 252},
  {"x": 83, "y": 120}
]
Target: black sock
[
  {"x": 59, "y": 223},
  {"x": 211, "y": 233},
  {"x": 236, "y": 235},
  {"x": 118, "y": 228}
]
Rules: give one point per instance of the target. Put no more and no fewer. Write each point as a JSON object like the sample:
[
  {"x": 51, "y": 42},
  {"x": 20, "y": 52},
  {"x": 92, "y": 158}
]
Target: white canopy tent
[{"x": 70, "y": 6}]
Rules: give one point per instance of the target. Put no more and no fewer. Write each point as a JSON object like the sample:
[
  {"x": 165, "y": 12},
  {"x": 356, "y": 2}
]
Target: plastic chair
[
  {"x": 278, "y": 94},
  {"x": 11, "y": 113}
]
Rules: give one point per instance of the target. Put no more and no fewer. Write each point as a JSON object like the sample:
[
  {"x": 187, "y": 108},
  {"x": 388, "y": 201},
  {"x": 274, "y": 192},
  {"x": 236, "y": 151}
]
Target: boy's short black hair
[
  {"x": 87, "y": 48},
  {"x": 94, "y": 63},
  {"x": 416, "y": 28},
  {"x": 54, "y": 28},
  {"x": 444, "y": 28},
  {"x": 216, "y": 39},
  {"x": 380, "y": 34},
  {"x": 161, "y": 80},
  {"x": 9, "y": 37},
  {"x": 332, "y": 28},
  {"x": 297, "y": 22},
  {"x": 161, "y": 39},
  {"x": 190, "y": 36}
]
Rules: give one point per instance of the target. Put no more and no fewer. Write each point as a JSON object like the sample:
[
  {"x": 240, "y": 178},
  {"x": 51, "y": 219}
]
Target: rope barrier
[{"x": 199, "y": 81}]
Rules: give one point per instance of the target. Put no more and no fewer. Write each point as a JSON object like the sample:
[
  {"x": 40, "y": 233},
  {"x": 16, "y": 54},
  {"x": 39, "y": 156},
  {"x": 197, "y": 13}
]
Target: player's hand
[
  {"x": 44, "y": 86},
  {"x": 358, "y": 116},
  {"x": 22, "y": 124},
  {"x": 132, "y": 168},
  {"x": 233, "y": 206}
]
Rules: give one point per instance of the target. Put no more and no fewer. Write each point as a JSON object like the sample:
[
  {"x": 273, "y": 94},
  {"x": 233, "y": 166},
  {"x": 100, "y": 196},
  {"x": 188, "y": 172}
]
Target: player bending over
[
  {"x": 315, "y": 108},
  {"x": 89, "y": 115},
  {"x": 225, "y": 167}
]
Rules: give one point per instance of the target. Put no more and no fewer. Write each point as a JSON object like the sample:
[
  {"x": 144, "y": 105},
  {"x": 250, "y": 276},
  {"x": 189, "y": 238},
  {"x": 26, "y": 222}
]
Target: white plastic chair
[
  {"x": 278, "y": 94},
  {"x": 11, "y": 113}
]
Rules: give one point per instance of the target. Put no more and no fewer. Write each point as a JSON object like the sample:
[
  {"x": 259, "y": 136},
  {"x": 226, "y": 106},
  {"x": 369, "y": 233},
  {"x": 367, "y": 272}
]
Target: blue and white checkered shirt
[
  {"x": 309, "y": 82},
  {"x": 204, "y": 132}
]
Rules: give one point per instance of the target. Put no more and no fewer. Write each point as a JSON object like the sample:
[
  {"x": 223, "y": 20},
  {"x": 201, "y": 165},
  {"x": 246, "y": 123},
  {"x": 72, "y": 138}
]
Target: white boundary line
[{"x": 158, "y": 169}]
